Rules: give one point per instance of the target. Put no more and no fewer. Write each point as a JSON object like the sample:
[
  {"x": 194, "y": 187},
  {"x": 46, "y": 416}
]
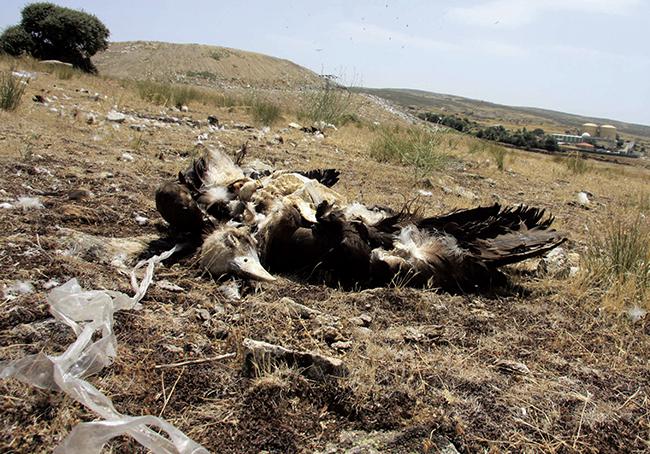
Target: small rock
[
  {"x": 512, "y": 367},
  {"x": 213, "y": 121},
  {"x": 203, "y": 314},
  {"x": 362, "y": 320},
  {"x": 169, "y": 286},
  {"x": 139, "y": 128},
  {"x": 127, "y": 157},
  {"x": 6, "y": 206},
  {"x": 299, "y": 309},
  {"x": 184, "y": 108},
  {"x": 141, "y": 220},
  {"x": 342, "y": 345},
  {"x": 39, "y": 99},
  {"x": 258, "y": 354},
  {"x": 80, "y": 194},
  {"x": 465, "y": 193},
  {"x": 117, "y": 117},
  {"x": 582, "y": 198},
  {"x": 558, "y": 263},
  {"x": 91, "y": 118},
  {"x": 294, "y": 126}
]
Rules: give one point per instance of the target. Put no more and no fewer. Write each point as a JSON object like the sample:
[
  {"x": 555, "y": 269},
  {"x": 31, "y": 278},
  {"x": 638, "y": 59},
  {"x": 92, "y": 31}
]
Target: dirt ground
[{"x": 428, "y": 371}]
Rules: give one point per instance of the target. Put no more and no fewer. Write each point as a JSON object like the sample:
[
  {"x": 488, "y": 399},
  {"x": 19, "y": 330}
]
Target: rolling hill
[
  {"x": 201, "y": 65},
  {"x": 487, "y": 112}
]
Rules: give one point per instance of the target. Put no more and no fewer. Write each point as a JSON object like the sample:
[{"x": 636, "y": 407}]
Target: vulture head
[{"x": 229, "y": 250}]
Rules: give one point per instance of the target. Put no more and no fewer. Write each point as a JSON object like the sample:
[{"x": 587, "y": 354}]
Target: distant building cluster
[{"x": 599, "y": 139}]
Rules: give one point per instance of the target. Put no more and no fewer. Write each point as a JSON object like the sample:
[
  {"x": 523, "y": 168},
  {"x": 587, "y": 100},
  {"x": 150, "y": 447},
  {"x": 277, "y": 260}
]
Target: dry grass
[
  {"x": 617, "y": 263},
  {"x": 414, "y": 146},
  {"x": 265, "y": 112},
  {"x": 12, "y": 89},
  {"x": 423, "y": 368}
]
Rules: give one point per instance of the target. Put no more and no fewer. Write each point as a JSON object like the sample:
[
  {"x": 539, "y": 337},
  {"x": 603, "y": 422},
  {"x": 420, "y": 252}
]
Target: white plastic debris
[
  {"x": 17, "y": 288},
  {"x": 29, "y": 203},
  {"x": 86, "y": 312}
]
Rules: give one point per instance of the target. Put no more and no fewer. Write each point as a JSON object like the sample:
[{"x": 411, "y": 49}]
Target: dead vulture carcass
[{"x": 255, "y": 223}]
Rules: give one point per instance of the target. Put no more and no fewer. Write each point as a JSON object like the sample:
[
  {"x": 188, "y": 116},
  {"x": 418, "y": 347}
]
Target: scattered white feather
[
  {"x": 636, "y": 313},
  {"x": 51, "y": 284},
  {"x": 221, "y": 170},
  {"x": 29, "y": 203},
  {"x": 359, "y": 211},
  {"x": 216, "y": 194},
  {"x": 17, "y": 288}
]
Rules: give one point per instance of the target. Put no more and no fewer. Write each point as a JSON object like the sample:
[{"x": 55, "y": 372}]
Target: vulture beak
[{"x": 250, "y": 267}]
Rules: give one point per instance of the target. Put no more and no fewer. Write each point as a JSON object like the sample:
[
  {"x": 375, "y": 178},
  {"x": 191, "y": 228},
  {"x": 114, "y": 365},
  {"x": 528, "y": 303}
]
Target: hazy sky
[{"x": 588, "y": 57}]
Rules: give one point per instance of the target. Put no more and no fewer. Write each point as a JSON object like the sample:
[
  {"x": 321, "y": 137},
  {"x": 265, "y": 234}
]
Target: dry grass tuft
[
  {"x": 332, "y": 104},
  {"x": 617, "y": 262},
  {"x": 12, "y": 89},
  {"x": 413, "y": 146},
  {"x": 265, "y": 112}
]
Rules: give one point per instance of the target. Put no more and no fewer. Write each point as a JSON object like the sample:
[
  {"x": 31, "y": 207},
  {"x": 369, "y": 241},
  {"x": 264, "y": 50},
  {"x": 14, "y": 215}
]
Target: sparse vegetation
[
  {"x": 12, "y": 89},
  {"x": 499, "y": 154},
  {"x": 331, "y": 104},
  {"x": 218, "y": 55},
  {"x": 207, "y": 75},
  {"x": 179, "y": 95},
  {"x": 618, "y": 263},
  {"x": 265, "y": 112},
  {"x": 411, "y": 146},
  {"x": 576, "y": 163}
]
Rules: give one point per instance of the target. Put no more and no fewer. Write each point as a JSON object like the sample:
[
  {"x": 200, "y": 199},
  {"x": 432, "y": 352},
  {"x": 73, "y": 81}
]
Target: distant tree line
[
  {"x": 520, "y": 138},
  {"x": 50, "y": 32}
]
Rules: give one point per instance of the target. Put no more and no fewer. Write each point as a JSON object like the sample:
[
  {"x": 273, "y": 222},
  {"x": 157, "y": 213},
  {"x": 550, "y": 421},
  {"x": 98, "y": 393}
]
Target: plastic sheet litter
[{"x": 87, "y": 311}]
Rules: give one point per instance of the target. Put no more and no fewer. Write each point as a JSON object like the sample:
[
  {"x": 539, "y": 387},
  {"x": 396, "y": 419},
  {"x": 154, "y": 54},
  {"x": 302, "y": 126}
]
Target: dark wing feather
[{"x": 327, "y": 177}]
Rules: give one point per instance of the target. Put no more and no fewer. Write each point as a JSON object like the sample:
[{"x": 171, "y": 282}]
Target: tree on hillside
[{"x": 48, "y": 31}]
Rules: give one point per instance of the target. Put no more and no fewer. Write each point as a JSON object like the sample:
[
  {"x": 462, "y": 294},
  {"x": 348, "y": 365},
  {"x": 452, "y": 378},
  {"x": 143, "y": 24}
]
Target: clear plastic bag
[{"x": 87, "y": 311}]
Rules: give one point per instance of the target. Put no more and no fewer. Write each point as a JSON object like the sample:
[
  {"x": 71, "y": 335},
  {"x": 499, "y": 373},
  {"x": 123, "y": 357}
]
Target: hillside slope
[
  {"x": 201, "y": 65},
  {"x": 484, "y": 111}
]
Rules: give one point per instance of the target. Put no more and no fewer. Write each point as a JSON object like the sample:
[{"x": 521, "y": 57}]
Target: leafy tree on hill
[{"x": 48, "y": 31}]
